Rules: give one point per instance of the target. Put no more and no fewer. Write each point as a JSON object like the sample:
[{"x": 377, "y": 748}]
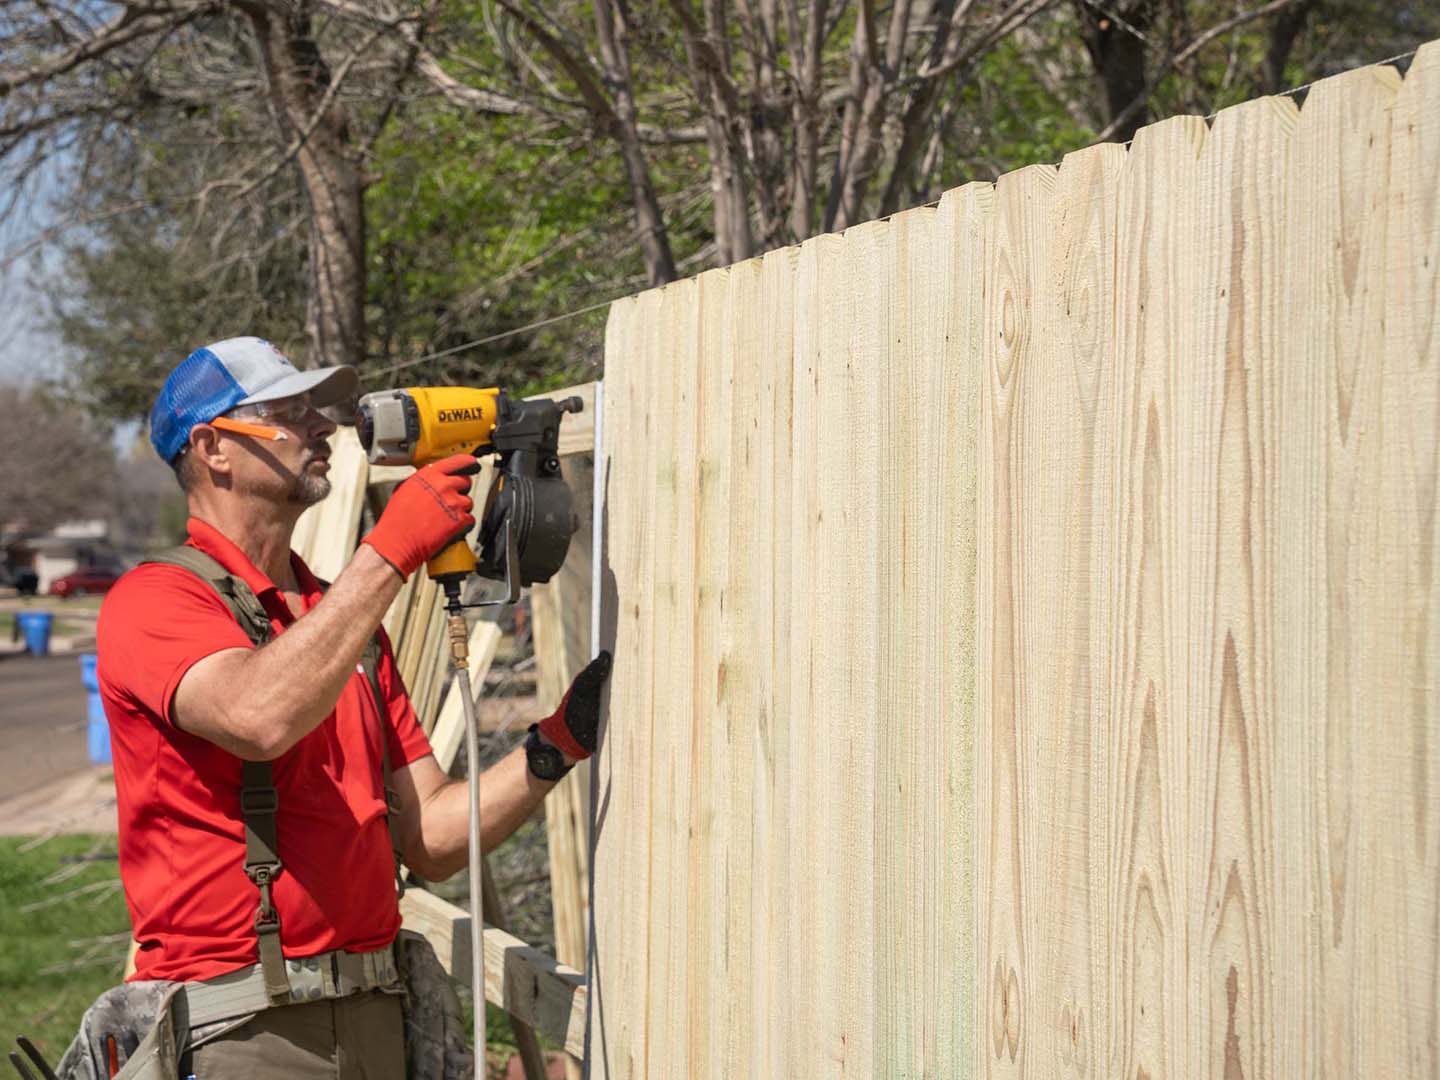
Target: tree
[
  {"x": 813, "y": 116},
  {"x": 58, "y": 465},
  {"x": 1201, "y": 55},
  {"x": 511, "y": 160},
  {"x": 277, "y": 86}
]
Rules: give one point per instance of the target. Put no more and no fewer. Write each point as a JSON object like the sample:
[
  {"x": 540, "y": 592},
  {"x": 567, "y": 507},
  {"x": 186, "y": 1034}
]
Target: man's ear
[{"x": 208, "y": 449}]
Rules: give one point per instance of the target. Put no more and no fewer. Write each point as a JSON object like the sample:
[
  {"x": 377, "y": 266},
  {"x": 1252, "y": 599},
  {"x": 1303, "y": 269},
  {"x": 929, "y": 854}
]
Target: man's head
[{"x": 237, "y": 416}]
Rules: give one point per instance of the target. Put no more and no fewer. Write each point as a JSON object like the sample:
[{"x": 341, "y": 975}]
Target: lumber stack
[{"x": 1026, "y": 618}]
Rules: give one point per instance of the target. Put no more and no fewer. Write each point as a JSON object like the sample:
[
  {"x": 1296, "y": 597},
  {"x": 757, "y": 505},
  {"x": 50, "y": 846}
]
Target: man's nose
[{"x": 322, "y": 424}]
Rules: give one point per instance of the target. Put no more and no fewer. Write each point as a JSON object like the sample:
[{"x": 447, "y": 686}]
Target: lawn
[{"x": 63, "y": 935}]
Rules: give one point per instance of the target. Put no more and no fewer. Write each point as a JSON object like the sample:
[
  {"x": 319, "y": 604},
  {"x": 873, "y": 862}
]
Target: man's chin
[{"x": 309, "y": 490}]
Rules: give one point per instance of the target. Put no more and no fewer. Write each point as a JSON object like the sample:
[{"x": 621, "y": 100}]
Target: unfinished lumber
[
  {"x": 1030, "y": 656},
  {"x": 531, "y": 1058},
  {"x": 669, "y": 768},
  {"x": 767, "y": 361},
  {"x": 950, "y": 993},
  {"x": 805, "y": 623},
  {"x": 1229, "y": 430},
  {"x": 1326, "y": 515},
  {"x": 524, "y": 981},
  {"x": 620, "y": 857},
  {"x": 561, "y": 617}
]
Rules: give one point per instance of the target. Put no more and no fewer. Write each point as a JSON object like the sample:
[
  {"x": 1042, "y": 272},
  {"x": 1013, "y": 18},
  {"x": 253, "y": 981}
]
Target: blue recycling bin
[
  {"x": 97, "y": 728},
  {"x": 35, "y": 629}
]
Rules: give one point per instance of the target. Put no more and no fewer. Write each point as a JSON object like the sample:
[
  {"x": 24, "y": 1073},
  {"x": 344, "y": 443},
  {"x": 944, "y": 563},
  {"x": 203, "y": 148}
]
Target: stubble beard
[{"x": 309, "y": 490}]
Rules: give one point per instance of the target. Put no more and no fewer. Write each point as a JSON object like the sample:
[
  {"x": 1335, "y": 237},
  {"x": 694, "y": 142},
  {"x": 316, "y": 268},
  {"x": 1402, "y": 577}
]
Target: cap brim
[{"x": 326, "y": 386}]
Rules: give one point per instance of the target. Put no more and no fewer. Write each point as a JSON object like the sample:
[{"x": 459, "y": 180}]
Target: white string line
[{"x": 920, "y": 206}]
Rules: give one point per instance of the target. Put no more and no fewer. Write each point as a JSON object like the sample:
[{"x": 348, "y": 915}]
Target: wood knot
[{"x": 1005, "y": 1019}]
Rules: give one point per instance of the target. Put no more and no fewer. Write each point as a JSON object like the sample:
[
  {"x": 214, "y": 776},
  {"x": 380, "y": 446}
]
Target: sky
[{"x": 26, "y": 351}]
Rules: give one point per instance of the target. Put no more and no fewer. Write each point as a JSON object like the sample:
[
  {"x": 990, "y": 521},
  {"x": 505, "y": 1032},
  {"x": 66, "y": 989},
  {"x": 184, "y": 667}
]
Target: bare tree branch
[{"x": 1179, "y": 57}]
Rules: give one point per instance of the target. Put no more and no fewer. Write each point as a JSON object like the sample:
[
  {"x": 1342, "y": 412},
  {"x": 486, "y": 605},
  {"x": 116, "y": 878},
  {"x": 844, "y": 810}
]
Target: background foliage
[{"x": 503, "y": 153}]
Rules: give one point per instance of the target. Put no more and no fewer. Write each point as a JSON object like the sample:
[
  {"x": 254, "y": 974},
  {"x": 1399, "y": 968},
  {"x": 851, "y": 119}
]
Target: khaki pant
[{"x": 354, "y": 1038}]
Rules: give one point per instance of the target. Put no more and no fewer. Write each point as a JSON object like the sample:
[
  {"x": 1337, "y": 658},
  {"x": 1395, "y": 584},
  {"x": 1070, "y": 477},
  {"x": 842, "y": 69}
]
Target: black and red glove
[
  {"x": 426, "y": 514},
  {"x": 571, "y": 728}
]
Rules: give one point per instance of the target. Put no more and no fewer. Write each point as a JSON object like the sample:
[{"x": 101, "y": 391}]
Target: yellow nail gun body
[{"x": 528, "y": 515}]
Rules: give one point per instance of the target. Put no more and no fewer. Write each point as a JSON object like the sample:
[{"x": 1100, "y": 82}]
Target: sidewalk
[
  {"x": 65, "y": 645},
  {"x": 78, "y": 802}
]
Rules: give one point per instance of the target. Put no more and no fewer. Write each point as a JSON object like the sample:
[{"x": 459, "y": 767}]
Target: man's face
[{"x": 294, "y": 468}]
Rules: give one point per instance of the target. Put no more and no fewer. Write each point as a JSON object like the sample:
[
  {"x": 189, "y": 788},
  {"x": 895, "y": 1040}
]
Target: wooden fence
[{"x": 1027, "y": 624}]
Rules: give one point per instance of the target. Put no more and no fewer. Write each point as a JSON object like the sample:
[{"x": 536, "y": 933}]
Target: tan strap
[
  {"x": 370, "y": 662},
  {"x": 259, "y": 801},
  {"x": 328, "y": 976}
]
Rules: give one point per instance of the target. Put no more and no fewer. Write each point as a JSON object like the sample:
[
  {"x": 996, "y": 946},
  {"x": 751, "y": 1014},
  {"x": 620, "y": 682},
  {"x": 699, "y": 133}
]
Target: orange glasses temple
[{"x": 240, "y": 427}]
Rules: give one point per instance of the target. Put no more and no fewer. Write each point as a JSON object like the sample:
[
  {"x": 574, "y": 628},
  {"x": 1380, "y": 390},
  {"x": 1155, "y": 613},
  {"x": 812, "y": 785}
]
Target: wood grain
[
  {"x": 1397, "y": 672},
  {"x": 619, "y": 965},
  {"x": 767, "y": 569},
  {"x": 951, "y": 1008},
  {"x": 1025, "y": 619},
  {"x": 1326, "y": 392},
  {"x": 813, "y": 691},
  {"x": 1015, "y": 354},
  {"x": 561, "y": 614},
  {"x": 910, "y": 416}
]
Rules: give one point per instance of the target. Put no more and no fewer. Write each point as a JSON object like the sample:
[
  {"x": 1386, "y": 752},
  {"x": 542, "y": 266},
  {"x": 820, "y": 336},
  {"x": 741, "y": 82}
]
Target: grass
[{"x": 57, "y": 956}]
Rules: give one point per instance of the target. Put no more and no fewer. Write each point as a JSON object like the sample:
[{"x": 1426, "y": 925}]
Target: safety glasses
[{"x": 291, "y": 410}]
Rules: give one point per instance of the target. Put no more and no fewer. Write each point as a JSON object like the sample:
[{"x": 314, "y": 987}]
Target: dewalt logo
[{"x": 455, "y": 416}]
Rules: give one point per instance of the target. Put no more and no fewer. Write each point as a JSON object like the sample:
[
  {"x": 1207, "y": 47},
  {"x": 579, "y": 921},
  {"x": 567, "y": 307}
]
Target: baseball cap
[{"x": 237, "y": 371}]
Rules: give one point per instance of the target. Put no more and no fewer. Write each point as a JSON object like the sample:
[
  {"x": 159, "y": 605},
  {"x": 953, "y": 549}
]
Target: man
[{"x": 191, "y": 699}]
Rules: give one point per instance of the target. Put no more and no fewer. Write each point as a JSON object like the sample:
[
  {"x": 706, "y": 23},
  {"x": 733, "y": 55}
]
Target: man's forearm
[{"x": 509, "y": 793}]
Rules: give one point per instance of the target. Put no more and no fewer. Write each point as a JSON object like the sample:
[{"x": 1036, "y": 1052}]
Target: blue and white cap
[{"x": 238, "y": 371}]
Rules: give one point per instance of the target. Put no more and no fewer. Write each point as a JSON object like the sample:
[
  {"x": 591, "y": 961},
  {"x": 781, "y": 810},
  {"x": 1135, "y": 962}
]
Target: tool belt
[
  {"x": 155, "y": 1023},
  {"x": 328, "y": 976}
]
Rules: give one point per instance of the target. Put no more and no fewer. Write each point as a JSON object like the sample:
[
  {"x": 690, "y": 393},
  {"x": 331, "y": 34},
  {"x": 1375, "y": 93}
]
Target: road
[{"x": 42, "y": 721}]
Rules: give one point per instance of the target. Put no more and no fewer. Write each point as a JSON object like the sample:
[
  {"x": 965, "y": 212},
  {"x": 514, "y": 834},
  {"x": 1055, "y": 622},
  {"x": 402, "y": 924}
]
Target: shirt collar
[{"x": 223, "y": 550}]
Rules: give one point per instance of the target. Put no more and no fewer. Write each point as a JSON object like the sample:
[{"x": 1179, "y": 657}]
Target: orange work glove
[
  {"x": 571, "y": 727},
  {"x": 426, "y": 514}
]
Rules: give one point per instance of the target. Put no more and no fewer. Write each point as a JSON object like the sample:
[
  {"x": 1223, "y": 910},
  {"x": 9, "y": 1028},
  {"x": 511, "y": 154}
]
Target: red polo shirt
[{"x": 182, "y": 844}]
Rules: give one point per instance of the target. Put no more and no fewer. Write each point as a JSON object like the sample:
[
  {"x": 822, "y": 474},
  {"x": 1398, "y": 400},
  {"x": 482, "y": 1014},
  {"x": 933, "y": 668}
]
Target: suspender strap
[
  {"x": 369, "y": 661},
  {"x": 259, "y": 801},
  {"x": 243, "y": 603},
  {"x": 258, "y": 804}
]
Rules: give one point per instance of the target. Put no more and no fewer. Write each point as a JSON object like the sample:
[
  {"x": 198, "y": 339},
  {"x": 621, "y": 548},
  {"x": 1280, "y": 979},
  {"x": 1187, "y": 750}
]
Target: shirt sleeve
[
  {"x": 407, "y": 740},
  {"x": 154, "y": 625}
]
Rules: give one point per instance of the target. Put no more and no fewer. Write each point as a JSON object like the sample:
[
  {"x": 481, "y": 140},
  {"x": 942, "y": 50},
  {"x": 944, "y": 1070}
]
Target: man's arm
[
  {"x": 435, "y": 810},
  {"x": 258, "y": 703}
]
